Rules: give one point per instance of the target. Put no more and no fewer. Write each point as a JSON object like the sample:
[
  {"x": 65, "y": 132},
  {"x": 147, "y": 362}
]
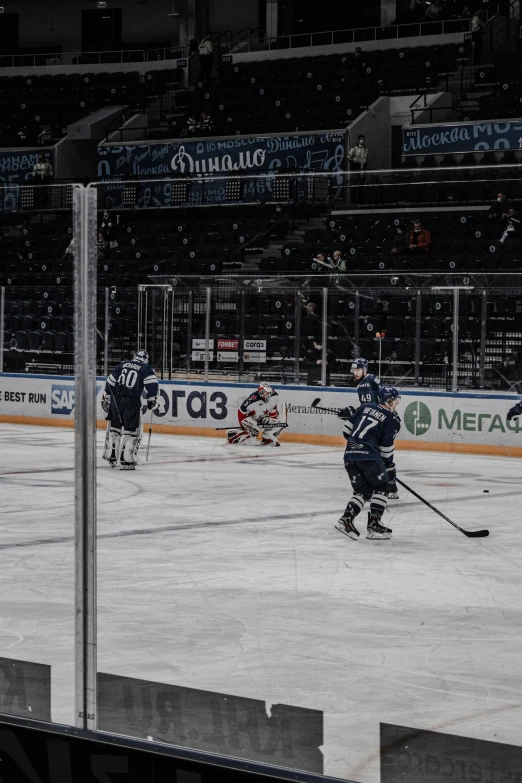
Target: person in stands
[
  {"x": 400, "y": 242},
  {"x": 205, "y": 50},
  {"x": 419, "y": 240},
  {"x": 498, "y": 211}
]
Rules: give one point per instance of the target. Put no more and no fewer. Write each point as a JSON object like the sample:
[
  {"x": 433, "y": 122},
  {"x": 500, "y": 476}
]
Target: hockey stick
[
  {"x": 150, "y": 435},
  {"x": 282, "y": 425},
  {"x": 468, "y": 533},
  {"x": 316, "y": 402}
]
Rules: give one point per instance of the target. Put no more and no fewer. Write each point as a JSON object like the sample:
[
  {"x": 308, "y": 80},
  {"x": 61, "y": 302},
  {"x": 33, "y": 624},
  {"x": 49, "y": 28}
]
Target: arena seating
[
  {"x": 315, "y": 92},
  {"x": 462, "y": 241},
  {"x": 29, "y": 102},
  {"x": 38, "y": 278}
]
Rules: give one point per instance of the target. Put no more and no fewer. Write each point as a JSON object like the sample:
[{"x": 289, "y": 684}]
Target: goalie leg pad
[
  {"x": 111, "y": 451},
  {"x": 237, "y": 435},
  {"x": 130, "y": 445}
]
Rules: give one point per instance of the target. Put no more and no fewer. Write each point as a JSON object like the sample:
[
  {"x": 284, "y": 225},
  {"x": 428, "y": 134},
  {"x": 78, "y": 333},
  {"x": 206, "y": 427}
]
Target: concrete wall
[
  {"x": 232, "y": 15},
  {"x": 76, "y": 160},
  {"x": 59, "y": 23},
  {"x": 375, "y": 125}
]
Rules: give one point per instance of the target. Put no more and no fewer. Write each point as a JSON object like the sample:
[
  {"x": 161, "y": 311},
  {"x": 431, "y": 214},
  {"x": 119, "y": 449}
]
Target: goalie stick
[
  {"x": 468, "y": 533},
  {"x": 150, "y": 435},
  {"x": 280, "y": 425}
]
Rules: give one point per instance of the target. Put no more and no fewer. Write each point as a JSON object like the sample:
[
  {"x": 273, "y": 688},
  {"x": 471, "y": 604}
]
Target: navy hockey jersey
[
  {"x": 367, "y": 389},
  {"x": 130, "y": 378},
  {"x": 370, "y": 434}
]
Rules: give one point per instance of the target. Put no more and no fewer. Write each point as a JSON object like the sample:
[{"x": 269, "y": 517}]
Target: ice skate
[
  {"x": 345, "y": 525},
  {"x": 127, "y": 466},
  {"x": 376, "y": 530},
  {"x": 268, "y": 442}
]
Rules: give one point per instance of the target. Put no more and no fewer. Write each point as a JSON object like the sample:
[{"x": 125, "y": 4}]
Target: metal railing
[
  {"x": 117, "y": 56},
  {"x": 359, "y": 35}
]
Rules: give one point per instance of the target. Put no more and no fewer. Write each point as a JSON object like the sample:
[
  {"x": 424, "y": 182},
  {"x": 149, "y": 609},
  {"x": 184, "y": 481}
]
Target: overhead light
[{"x": 101, "y": 4}]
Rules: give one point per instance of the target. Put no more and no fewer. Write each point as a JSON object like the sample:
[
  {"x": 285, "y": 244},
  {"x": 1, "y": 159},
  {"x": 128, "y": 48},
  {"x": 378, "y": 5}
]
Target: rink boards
[{"x": 469, "y": 422}]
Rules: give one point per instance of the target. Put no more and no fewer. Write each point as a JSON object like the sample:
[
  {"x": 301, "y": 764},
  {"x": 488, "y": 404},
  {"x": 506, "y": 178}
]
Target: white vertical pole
[
  {"x": 207, "y": 330},
  {"x": 84, "y": 212},
  {"x": 455, "y": 369},
  {"x": 106, "y": 335},
  {"x": 324, "y": 337}
]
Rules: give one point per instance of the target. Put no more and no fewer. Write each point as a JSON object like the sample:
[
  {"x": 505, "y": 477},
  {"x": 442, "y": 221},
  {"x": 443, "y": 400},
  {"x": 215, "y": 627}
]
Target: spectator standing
[
  {"x": 499, "y": 209},
  {"x": 205, "y": 50},
  {"x": 477, "y": 26},
  {"x": 42, "y": 174},
  {"x": 419, "y": 240},
  {"x": 358, "y": 157},
  {"x": 314, "y": 360}
]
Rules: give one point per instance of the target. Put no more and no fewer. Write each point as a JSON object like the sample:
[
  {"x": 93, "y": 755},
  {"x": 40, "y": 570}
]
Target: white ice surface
[{"x": 220, "y": 569}]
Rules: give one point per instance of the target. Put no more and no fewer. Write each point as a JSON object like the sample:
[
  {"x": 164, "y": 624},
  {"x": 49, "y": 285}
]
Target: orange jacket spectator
[{"x": 420, "y": 238}]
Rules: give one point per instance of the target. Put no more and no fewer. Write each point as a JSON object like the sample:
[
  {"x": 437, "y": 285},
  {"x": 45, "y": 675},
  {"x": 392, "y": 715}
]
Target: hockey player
[
  {"x": 368, "y": 457},
  {"x": 368, "y": 391},
  {"x": 122, "y": 402},
  {"x": 515, "y": 411},
  {"x": 259, "y": 414},
  {"x": 368, "y": 385}
]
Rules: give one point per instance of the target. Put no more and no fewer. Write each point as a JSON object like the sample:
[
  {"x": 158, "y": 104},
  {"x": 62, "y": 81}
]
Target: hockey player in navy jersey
[
  {"x": 368, "y": 384},
  {"x": 368, "y": 458},
  {"x": 122, "y": 402},
  {"x": 368, "y": 391}
]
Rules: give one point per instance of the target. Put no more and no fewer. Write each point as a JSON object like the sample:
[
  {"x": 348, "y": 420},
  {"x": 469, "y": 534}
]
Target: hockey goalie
[{"x": 263, "y": 414}]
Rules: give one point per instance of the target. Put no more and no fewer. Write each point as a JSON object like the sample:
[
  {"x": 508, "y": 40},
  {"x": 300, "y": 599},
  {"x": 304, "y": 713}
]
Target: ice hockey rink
[{"x": 219, "y": 568}]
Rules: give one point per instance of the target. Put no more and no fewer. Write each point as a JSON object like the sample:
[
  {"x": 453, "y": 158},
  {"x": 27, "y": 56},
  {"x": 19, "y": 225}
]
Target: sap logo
[{"x": 62, "y": 399}]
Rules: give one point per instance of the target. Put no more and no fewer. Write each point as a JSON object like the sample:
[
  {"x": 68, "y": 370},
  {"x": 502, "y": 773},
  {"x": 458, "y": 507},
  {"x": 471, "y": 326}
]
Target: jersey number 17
[{"x": 359, "y": 431}]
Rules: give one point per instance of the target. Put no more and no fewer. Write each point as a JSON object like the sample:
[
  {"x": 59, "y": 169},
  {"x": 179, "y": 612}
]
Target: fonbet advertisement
[{"x": 428, "y": 418}]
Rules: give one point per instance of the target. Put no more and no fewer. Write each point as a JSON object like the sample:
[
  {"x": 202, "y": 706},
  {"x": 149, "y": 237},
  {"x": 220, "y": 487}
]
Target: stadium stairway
[{"x": 274, "y": 249}]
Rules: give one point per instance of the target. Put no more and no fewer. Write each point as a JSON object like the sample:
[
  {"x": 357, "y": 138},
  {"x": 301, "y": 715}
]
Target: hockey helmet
[
  {"x": 359, "y": 364},
  {"x": 141, "y": 356},
  {"x": 387, "y": 394},
  {"x": 265, "y": 391}
]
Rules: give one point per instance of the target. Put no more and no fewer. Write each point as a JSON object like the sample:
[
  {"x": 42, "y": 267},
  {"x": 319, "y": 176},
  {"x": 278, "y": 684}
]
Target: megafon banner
[{"x": 468, "y": 421}]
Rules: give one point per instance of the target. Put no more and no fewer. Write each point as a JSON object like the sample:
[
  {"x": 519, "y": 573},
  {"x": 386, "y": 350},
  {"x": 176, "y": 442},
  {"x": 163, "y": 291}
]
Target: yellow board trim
[{"x": 290, "y": 437}]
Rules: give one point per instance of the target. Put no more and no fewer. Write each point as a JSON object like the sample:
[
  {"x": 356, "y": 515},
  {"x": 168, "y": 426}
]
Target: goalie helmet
[
  {"x": 265, "y": 391},
  {"x": 141, "y": 356},
  {"x": 359, "y": 364},
  {"x": 387, "y": 394}
]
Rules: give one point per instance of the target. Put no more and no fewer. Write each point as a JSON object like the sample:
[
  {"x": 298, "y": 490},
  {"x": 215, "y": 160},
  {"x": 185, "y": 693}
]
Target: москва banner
[{"x": 462, "y": 137}]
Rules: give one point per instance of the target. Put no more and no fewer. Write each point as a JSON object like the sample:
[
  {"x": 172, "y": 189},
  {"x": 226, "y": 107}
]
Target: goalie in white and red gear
[{"x": 260, "y": 414}]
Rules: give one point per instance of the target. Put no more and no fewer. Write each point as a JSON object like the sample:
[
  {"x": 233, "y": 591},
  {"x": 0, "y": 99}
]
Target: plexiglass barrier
[
  {"x": 37, "y": 641},
  {"x": 231, "y": 616},
  {"x": 262, "y": 330}
]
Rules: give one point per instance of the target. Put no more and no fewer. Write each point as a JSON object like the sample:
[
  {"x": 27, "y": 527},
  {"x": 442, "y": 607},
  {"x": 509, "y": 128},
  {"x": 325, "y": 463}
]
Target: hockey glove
[
  {"x": 515, "y": 411},
  {"x": 346, "y": 413},
  {"x": 152, "y": 403},
  {"x": 106, "y": 402}
]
